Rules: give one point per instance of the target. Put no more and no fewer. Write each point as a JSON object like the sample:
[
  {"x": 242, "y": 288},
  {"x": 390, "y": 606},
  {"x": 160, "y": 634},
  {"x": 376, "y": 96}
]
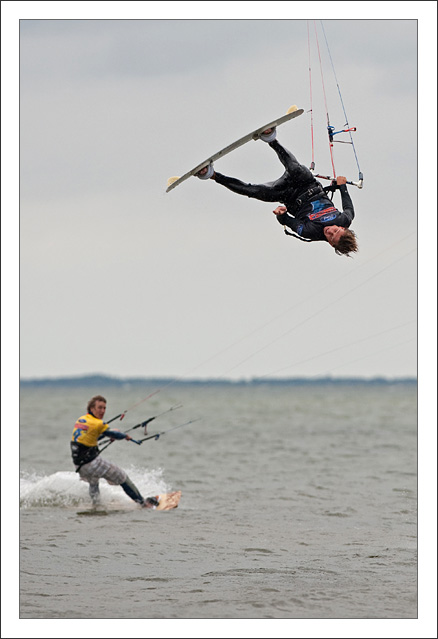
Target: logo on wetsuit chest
[
  {"x": 328, "y": 218},
  {"x": 322, "y": 214}
]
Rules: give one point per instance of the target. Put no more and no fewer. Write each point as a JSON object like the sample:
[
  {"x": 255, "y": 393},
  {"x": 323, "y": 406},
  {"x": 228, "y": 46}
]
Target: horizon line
[{"x": 243, "y": 380}]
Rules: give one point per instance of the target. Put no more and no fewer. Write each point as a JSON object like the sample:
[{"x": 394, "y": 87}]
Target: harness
[
  {"x": 305, "y": 197},
  {"x": 82, "y": 454}
]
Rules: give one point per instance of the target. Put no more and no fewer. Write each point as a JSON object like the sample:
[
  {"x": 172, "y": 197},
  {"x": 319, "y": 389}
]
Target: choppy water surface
[{"x": 298, "y": 502}]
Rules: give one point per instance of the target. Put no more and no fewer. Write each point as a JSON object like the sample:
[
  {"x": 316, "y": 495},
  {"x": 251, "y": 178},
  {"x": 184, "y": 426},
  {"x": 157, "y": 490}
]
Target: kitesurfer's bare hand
[
  {"x": 280, "y": 210},
  {"x": 341, "y": 180}
]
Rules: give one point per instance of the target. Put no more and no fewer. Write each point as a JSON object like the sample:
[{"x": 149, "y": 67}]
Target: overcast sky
[{"x": 118, "y": 277}]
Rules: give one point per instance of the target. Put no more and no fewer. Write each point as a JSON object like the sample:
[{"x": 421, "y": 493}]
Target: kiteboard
[
  {"x": 293, "y": 112},
  {"x": 167, "y": 501}
]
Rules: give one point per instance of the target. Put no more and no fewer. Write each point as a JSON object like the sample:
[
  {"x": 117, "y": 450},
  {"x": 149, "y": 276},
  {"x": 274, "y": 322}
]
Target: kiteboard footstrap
[
  {"x": 269, "y": 137},
  {"x": 208, "y": 174}
]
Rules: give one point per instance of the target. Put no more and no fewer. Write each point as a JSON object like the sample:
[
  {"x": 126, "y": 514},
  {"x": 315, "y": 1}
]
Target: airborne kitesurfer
[
  {"x": 306, "y": 207},
  {"x": 85, "y": 453}
]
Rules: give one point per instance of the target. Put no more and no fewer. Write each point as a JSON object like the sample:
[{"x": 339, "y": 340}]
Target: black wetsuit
[{"x": 309, "y": 209}]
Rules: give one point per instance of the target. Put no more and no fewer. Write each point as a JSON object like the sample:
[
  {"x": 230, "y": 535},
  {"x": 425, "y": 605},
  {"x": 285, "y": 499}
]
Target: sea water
[{"x": 298, "y": 502}]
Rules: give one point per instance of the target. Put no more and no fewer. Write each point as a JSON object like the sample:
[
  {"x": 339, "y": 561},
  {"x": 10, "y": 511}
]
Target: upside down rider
[{"x": 305, "y": 206}]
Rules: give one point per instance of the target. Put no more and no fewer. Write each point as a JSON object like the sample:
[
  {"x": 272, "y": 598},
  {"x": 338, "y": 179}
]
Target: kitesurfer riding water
[
  {"x": 85, "y": 453},
  {"x": 306, "y": 207}
]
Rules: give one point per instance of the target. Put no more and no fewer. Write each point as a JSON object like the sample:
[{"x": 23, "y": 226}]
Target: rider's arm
[
  {"x": 347, "y": 204},
  {"x": 285, "y": 219},
  {"x": 114, "y": 434}
]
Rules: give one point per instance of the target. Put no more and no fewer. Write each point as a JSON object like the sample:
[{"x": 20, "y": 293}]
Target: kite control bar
[{"x": 359, "y": 183}]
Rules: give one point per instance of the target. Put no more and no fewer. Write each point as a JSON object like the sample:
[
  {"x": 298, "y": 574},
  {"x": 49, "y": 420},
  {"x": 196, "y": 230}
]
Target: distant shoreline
[{"x": 105, "y": 380}]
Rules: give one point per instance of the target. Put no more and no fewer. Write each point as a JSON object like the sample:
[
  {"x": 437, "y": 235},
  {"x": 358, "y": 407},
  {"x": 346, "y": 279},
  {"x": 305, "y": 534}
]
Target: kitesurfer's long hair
[
  {"x": 347, "y": 243},
  {"x": 93, "y": 400}
]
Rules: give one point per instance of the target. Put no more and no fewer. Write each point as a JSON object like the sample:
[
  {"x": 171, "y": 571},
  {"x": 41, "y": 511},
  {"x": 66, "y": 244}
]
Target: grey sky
[{"x": 119, "y": 277}]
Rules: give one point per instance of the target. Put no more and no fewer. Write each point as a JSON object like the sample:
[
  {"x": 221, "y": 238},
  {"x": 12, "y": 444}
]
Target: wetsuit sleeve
[
  {"x": 287, "y": 220},
  {"x": 347, "y": 204},
  {"x": 113, "y": 434}
]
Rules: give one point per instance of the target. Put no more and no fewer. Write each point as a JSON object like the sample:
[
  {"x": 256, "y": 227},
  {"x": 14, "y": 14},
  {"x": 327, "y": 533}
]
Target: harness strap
[
  {"x": 330, "y": 189},
  {"x": 307, "y": 195}
]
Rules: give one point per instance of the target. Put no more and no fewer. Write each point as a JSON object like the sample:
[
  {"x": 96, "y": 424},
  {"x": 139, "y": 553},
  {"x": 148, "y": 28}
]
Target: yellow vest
[{"x": 88, "y": 429}]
